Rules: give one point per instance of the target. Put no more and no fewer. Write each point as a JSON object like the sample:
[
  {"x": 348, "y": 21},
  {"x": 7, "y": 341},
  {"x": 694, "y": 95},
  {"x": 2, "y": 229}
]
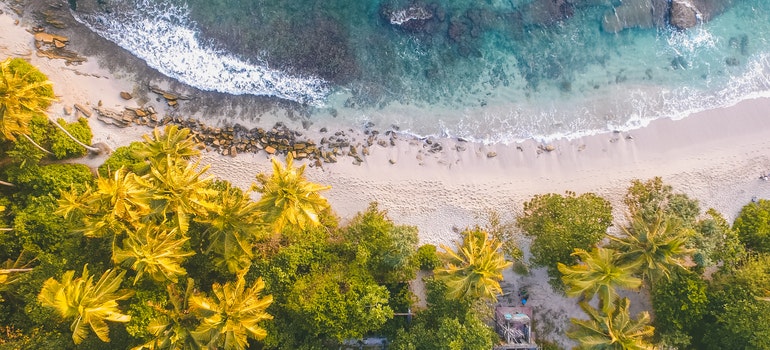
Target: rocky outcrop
[
  {"x": 688, "y": 13},
  {"x": 546, "y": 12},
  {"x": 630, "y": 14}
]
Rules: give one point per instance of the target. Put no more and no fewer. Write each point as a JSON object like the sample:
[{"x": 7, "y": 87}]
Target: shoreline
[{"x": 455, "y": 187}]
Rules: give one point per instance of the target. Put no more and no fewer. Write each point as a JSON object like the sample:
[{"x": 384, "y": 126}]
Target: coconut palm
[
  {"x": 173, "y": 142},
  {"x": 233, "y": 315},
  {"x": 155, "y": 251},
  {"x": 599, "y": 272},
  {"x": 179, "y": 189},
  {"x": 655, "y": 247},
  {"x": 234, "y": 225},
  {"x": 613, "y": 330},
  {"x": 88, "y": 304},
  {"x": 12, "y": 270},
  {"x": 24, "y": 91},
  {"x": 172, "y": 327},
  {"x": 288, "y": 198},
  {"x": 474, "y": 271}
]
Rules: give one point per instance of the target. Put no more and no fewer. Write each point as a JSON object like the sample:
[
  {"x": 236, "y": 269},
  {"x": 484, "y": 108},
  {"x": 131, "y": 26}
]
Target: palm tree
[
  {"x": 233, "y": 227},
  {"x": 89, "y": 304},
  {"x": 155, "y": 251},
  {"x": 615, "y": 330},
  {"x": 172, "y": 328},
  {"x": 179, "y": 189},
  {"x": 474, "y": 271},
  {"x": 232, "y": 315},
  {"x": 655, "y": 247},
  {"x": 24, "y": 91},
  {"x": 288, "y": 198},
  {"x": 600, "y": 272},
  {"x": 12, "y": 271},
  {"x": 173, "y": 142}
]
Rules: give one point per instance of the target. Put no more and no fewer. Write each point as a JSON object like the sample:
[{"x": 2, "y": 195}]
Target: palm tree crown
[
  {"x": 615, "y": 330},
  {"x": 474, "y": 271},
  {"x": 599, "y": 272},
  {"x": 155, "y": 251},
  {"x": 87, "y": 303},
  {"x": 24, "y": 91},
  {"x": 288, "y": 198},
  {"x": 232, "y": 315},
  {"x": 655, "y": 246}
]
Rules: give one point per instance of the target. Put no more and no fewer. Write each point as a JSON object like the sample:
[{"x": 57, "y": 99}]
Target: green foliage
[
  {"x": 475, "y": 270},
  {"x": 89, "y": 304},
  {"x": 49, "y": 180},
  {"x": 338, "y": 305},
  {"x": 657, "y": 247},
  {"x": 64, "y": 147},
  {"x": 506, "y": 233},
  {"x": 717, "y": 243},
  {"x": 614, "y": 330},
  {"x": 753, "y": 226},
  {"x": 126, "y": 156},
  {"x": 288, "y": 199},
  {"x": 679, "y": 305},
  {"x": 653, "y": 196},
  {"x": 559, "y": 224},
  {"x": 600, "y": 272},
  {"x": 446, "y": 324},
  {"x": 427, "y": 258},
  {"x": 24, "y": 92},
  {"x": 383, "y": 248},
  {"x": 736, "y": 319}
]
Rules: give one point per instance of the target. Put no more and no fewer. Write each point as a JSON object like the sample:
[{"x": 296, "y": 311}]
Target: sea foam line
[{"x": 165, "y": 37}]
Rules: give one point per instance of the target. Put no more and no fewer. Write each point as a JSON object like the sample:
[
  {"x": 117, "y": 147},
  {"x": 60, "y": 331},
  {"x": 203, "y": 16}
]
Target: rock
[
  {"x": 59, "y": 44},
  {"x": 415, "y": 18},
  {"x": 172, "y": 103},
  {"x": 50, "y": 38},
  {"x": 683, "y": 14},
  {"x": 546, "y": 12},
  {"x": 233, "y": 151},
  {"x": 630, "y": 14},
  {"x": 392, "y": 161},
  {"x": 270, "y": 149},
  {"x": 140, "y": 112},
  {"x": 125, "y": 95},
  {"x": 491, "y": 154},
  {"x": 547, "y": 148},
  {"x": 82, "y": 109},
  {"x": 67, "y": 110}
]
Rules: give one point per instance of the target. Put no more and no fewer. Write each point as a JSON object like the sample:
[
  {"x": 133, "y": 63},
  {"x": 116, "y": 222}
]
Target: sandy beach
[{"x": 715, "y": 156}]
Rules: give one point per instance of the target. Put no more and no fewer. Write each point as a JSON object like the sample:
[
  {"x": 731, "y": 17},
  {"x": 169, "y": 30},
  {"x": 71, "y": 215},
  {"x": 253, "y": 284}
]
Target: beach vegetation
[
  {"x": 656, "y": 247},
  {"x": 648, "y": 199},
  {"x": 88, "y": 304},
  {"x": 716, "y": 243},
  {"x": 62, "y": 146},
  {"x": 753, "y": 226},
  {"x": 427, "y": 258},
  {"x": 558, "y": 224},
  {"x": 288, "y": 198},
  {"x": 24, "y": 93},
  {"x": 615, "y": 329},
  {"x": 679, "y": 305},
  {"x": 474, "y": 269},
  {"x": 600, "y": 272},
  {"x": 125, "y": 157}
]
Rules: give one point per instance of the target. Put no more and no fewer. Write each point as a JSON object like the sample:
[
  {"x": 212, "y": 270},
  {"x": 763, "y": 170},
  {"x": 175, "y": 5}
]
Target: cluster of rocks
[
  {"x": 681, "y": 14},
  {"x": 55, "y": 47}
]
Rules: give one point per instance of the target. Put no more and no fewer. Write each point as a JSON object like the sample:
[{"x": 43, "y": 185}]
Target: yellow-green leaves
[
  {"x": 475, "y": 269},
  {"x": 24, "y": 91},
  {"x": 288, "y": 198},
  {"x": 89, "y": 304}
]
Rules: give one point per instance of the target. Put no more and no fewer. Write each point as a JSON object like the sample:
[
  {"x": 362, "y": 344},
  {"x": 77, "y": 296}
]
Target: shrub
[
  {"x": 64, "y": 147},
  {"x": 427, "y": 257}
]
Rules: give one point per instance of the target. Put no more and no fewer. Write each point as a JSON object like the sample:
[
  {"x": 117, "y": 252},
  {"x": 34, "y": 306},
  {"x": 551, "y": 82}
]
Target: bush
[
  {"x": 64, "y": 147},
  {"x": 753, "y": 226},
  {"x": 427, "y": 257},
  {"x": 125, "y": 157}
]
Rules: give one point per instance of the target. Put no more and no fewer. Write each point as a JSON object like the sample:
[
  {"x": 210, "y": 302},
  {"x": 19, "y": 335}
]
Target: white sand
[{"x": 714, "y": 156}]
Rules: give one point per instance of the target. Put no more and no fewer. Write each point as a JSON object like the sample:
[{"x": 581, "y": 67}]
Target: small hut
[{"x": 514, "y": 325}]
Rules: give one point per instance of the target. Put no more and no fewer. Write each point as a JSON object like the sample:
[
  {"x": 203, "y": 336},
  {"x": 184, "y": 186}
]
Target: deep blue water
[{"x": 487, "y": 70}]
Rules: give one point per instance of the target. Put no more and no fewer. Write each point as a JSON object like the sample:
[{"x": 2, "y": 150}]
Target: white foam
[{"x": 163, "y": 35}]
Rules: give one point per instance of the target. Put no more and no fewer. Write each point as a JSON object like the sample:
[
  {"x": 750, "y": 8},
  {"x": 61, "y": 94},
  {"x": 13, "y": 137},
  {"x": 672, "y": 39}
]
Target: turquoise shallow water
[{"x": 485, "y": 70}]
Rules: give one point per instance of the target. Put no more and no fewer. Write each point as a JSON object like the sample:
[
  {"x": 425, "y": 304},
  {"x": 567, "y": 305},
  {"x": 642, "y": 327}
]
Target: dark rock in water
[
  {"x": 678, "y": 63},
  {"x": 732, "y": 61},
  {"x": 546, "y": 12},
  {"x": 686, "y": 14},
  {"x": 635, "y": 14},
  {"x": 418, "y": 18}
]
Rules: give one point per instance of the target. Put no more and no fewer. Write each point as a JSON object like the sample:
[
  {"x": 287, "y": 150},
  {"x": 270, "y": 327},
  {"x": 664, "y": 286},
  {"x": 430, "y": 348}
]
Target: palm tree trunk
[
  {"x": 6, "y": 229},
  {"x": 7, "y": 184},
  {"x": 7, "y": 271},
  {"x": 92, "y": 149},
  {"x": 36, "y": 145}
]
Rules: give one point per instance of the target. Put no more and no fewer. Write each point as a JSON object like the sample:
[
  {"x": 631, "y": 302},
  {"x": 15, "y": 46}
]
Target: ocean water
[{"x": 491, "y": 71}]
